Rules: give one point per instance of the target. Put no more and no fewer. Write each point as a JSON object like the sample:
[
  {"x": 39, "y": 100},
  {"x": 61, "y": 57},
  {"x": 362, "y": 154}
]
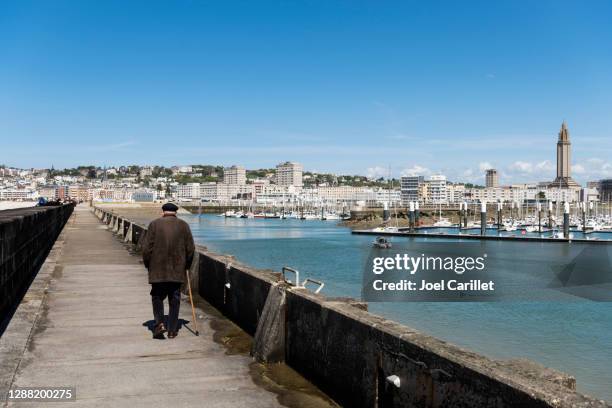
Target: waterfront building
[
  {"x": 258, "y": 186},
  {"x": 455, "y": 193},
  {"x": 18, "y": 194},
  {"x": 564, "y": 178},
  {"x": 79, "y": 193},
  {"x": 589, "y": 194},
  {"x": 605, "y": 190},
  {"x": 525, "y": 192},
  {"x": 274, "y": 194},
  {"x": 289, "y": 174},
  {"x": 562, "y": 194},
  {"x": 189, "y": 191},
  {"x": 143, "y": 196},
  {"x": 492, "y": 178},
  {"x": 49, "y": 193},
  {"x": 225, "y": 193},
  {"x": 410, "y": 188},
  {"x": 489, "y": 195},
  {"x": 343, "y": 194},
  {"x": 208, "y": 191},
  {"x": 234, "y": 175},
  {"x": 436, "y": 192},
  {"x": 391, "y": 196}
]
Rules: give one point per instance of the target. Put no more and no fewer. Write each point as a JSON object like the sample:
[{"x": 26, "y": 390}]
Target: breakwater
[
  {"x": 354, "y": 355},
  {"x": 26, "y": 236}
]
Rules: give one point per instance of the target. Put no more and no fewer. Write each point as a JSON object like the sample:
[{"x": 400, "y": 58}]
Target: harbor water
[{"x": 573, "y": 336}]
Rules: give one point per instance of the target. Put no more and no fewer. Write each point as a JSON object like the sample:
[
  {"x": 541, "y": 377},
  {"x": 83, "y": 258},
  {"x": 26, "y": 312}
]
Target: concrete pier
[{"x": 83, "y": 324}]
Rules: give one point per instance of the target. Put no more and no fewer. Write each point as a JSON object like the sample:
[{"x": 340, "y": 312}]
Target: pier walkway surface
[{"x": 88, "y": 311}]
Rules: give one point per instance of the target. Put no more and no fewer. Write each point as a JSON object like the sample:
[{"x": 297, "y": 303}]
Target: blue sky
[{"x": 346, "y": 87}]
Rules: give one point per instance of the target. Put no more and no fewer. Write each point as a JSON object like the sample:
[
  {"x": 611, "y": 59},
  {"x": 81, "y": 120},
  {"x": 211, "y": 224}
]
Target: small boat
[
  {"x": 443, "y": 222},
  {"x": 531, "y": 228},
  {"x": 509, "y": 227},
  {"x": 382, "y": 243},
  {"x": 386, "y": 229}
]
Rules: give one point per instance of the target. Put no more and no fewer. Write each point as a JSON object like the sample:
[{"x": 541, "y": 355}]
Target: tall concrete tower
[
  {"x": 492, "y": 178},
  {"x": 564, "y": 177}
]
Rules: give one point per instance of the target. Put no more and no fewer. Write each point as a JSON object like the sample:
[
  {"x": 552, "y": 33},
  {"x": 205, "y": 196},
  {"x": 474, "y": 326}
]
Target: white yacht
[
  {"x": 443, "y": 222},
  {"x": 386, "y": 229}
]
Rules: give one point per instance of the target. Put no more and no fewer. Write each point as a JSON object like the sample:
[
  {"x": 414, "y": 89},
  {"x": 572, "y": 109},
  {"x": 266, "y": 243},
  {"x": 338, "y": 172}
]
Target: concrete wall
[
  {"x": 349, "y": 352},
  {"x": 26, "y": 236}
]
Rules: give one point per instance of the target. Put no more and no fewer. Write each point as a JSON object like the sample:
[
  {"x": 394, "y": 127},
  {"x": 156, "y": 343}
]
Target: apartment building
[
  {"x": 410, "y": 186},
  {"x": 235, "y": 175},
  {"x": 289, "y": 174}
]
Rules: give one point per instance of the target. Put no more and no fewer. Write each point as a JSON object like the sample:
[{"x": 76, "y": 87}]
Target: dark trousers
[{"x": 161, "y": 290}]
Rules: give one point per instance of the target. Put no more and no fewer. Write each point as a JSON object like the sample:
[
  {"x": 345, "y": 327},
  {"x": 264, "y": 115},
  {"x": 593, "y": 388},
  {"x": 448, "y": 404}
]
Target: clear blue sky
[{"x": 347, "y": 87}]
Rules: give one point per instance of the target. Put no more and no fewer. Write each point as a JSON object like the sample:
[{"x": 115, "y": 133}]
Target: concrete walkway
[{"x": 90, "y": 333}]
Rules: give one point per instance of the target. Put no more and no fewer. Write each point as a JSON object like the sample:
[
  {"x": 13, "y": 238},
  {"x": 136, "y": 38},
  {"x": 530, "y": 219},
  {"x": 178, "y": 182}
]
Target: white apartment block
[
  {"x": 289, "y": 174},
  {"x": 563, "y": 194},
  {"x": 455, "y": 193},
  {"x": 223, "y": 193},
  {"x": 234, "y": 175},
  {"x": 388, "y": 196},
  {"x": 18, "y": 194},
  {"x": 188, "y": 191},
  {"x": 521, "y": 193},
  {"x": 344, "y": 194},
  {"x": 436, "y": 191}
]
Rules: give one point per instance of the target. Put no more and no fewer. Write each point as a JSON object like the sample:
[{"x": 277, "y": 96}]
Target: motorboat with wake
[{"x": 382, "y": 243}]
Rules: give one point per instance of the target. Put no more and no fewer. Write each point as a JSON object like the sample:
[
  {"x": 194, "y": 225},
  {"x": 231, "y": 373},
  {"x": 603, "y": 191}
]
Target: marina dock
[{"x": 426, "y": 232}]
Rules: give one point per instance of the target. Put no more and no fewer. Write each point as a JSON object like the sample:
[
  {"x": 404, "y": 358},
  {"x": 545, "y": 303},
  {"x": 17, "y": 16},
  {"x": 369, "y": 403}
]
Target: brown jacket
[{"x": 167, "y": 250}]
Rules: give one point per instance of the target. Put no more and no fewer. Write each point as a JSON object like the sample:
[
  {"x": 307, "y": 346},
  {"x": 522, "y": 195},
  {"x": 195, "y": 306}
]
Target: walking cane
[{"x": 195, "y": 322}]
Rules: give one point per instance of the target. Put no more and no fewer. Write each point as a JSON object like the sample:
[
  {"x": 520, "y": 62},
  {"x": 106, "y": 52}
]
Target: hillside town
[{"x": 287, "y": 183}]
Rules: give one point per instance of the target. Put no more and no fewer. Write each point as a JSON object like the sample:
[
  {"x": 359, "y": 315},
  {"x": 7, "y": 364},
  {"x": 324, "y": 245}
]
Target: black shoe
[
  {"x": 172, "y": 334},
  {"x": 158, "y": 331}
]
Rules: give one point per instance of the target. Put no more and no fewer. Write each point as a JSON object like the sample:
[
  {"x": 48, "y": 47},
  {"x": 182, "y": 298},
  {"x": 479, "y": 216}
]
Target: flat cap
[{"x": 169, "y": 207}]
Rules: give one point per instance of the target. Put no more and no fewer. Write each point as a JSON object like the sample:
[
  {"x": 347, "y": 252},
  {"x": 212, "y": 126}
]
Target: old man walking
[{"x": 167, "y": 252}]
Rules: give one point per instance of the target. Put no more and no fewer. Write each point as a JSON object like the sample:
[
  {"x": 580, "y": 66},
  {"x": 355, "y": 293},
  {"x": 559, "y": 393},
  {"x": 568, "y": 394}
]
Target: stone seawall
[
  {"x": 364, "y": 360},
  {"x": 26, "y": 236}
]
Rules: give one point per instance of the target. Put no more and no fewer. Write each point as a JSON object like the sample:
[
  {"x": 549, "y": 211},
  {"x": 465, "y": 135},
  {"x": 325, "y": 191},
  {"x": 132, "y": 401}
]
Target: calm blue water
[{"x": 573, "y": 337}]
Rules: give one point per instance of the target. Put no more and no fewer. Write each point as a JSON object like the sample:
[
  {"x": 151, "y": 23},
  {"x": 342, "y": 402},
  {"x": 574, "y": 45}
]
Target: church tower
[{"x": 564, "y": 177}]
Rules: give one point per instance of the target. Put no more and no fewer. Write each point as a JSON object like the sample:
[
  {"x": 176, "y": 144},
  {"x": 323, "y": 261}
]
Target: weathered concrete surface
[
  {"x": 26, "y": 236},
  {"x": 83, "y": 324}
]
